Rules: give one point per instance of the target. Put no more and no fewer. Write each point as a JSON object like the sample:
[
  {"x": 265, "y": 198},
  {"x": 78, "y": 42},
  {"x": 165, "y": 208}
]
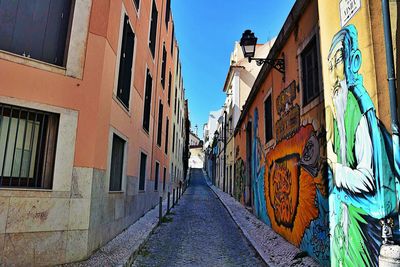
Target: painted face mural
[{"x": 361, "y": 170}]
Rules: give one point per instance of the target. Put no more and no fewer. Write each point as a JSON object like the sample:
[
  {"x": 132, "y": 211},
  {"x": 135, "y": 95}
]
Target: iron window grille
[{"x": 28, "y": 141}]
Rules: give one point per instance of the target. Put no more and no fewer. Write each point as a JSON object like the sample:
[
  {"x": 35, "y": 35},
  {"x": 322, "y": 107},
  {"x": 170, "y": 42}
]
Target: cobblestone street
[{"x": 199, "y": 232}]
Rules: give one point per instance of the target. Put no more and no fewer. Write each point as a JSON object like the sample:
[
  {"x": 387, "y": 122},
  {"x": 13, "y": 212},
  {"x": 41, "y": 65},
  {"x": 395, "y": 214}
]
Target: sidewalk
[
  {"x": 122, "y": 250},
  {"x": 273, "y": 248}
]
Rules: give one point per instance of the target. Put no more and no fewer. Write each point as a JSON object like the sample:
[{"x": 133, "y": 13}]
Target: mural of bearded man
[{"x": 362, "y": 174}]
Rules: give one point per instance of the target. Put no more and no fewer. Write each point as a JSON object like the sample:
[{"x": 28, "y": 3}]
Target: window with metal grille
[
  {"x": 28, "y": 141},
  {"x": 310, "y": 72},
  {"x": 166, "y": 136},
  {"x": 164, "y": 179},
  {"x": 117, "y": 162},
  {"x": 36, "y": 29},
  {"x": 156, "y": 178},
  {"x": 169, "y": 88},
  {"x": 147, "y": 102},
  {"x": 160, "y": 119},
  {"x": 125, "y": 63},
  {"x": 142, "y": 178},
  {"x": 268, "y": 118},
  {"x": 163, "y": 66},
  {"x": 137, "y": 4},
  {"x": 153, "y": 29}
]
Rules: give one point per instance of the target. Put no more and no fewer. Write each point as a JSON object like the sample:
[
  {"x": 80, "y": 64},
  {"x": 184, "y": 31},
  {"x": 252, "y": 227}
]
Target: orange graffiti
[{"x": 290, "y": 191}]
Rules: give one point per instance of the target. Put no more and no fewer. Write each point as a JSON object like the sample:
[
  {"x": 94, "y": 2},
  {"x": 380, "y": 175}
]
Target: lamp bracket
[{"x": 278, "y": 64}]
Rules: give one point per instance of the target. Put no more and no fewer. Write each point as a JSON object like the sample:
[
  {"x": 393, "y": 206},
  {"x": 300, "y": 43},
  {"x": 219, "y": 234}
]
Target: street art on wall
[
  {"x": 289, "y": 187},
  {"x": 362, "y": 174}
]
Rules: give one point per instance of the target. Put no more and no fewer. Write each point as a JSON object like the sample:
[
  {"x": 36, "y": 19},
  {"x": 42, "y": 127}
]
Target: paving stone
[{"x": 201, "y": 233}]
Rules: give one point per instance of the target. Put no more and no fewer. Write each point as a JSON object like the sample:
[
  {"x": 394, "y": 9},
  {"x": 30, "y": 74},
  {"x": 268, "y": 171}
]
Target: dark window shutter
[
  {"x": 166, "y": 136},
  {"x": 268, "y": 118},
  {"x": 142, "y": 178},
  {"x": 163, "y": 67},
  {"x": 160, "y": 119},
  {"x": 153, "y": 29},
  {"x": 169, "y": 88},
  {"x": 35, "y": 28},
  {"x": 164, "y": 178},
  {"x": 147, "y": 102},
  {"x": 157, "y": 176},
  {"x": 125, "y": 63},
  {"x": 173, "y": 139},
  {"x": 167, "y": 12},
  {"x": 172, "y": 40},
  {"x": 117, "y": 160}
]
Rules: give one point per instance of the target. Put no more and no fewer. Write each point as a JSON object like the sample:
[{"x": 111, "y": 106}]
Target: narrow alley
[{"x": 197, "y": 234}]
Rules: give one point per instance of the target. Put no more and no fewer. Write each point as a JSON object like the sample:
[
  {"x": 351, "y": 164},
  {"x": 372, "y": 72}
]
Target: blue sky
[{"x": 206, "y": 31}]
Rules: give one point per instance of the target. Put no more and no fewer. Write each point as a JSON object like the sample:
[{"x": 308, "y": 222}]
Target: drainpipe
[
  {"x": 390, "y": 253},
  {"x": 225, "y": 114}
]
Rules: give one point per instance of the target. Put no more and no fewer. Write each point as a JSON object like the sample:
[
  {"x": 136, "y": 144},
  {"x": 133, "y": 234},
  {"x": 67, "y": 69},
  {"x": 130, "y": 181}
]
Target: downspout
[{"x": 392, "y": 82}]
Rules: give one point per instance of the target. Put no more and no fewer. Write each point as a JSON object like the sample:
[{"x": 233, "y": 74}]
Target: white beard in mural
[{"x": 340, "y": 101}]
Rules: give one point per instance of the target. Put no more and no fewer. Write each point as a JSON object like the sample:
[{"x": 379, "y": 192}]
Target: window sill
[
  {"x": 315, "y": 102},
  {"x": 142, "y": 191},
  {"x": 122, "y": 106},
  {"x": 32, "y": 62},
  {"x": 115, "y": 192}
]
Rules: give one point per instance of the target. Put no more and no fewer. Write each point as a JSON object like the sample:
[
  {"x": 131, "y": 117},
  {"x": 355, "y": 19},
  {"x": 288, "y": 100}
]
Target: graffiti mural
[
  {"x": 240, "y": 176},
  {"x": 362, "y": 174},
  {"x": 289, "y": 186}
]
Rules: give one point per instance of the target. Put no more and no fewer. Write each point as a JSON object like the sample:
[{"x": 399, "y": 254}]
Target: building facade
[
  {"x": 83, "y": 132},
  {"x": 315, "y": 157}
]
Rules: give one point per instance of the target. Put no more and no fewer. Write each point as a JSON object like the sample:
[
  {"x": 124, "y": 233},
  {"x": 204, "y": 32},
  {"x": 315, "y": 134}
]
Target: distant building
[{"x": 194, "y": 140}]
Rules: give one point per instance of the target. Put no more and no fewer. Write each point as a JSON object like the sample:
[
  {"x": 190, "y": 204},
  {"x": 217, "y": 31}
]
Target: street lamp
[{"x": 248, "y": 43}]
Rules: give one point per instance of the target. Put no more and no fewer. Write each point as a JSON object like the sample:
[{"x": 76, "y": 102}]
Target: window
[
  {"x": 166, "y": 136},
  {"x": 157, "y": 176},
  {"x": 36, "y": 29},
  {"x": 153, "y": 29},
  {"x": 160, "y": 119},
  {"x": 163, "y": 66},
  {"x": 310, "y": 72},
  {"x": 167, "y": 12},
  {"x": 117, "y": 162},
  {"x": 164, "y": 178},
  {"x": 28, "y": 141},
  {"x": 169, "y": 88},
  {"x": 268, "y": 118},
  {"x": 125, "y": 63},
  {"x": 173, "y": 139},
  {"x": 137, "y": 4},
  {"x": 142, "y": 178},
  {"x": 172, "y": 40},
  {"x": 176, "y": 92},
  {"x": 172, "y": 172},
  {"x": 147, "y": 102}
]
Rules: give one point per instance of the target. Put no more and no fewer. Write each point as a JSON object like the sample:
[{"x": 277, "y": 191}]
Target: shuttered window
[
  {"x": 310, "y": 72},
  {"x": 28, "y": 141},
  {"x": 125, "y": 63},
  {"x": 169, "y": 88},
  {"x": 268, "y": 118},
  {"x": 142, "y": 178},
  {"x": 36, "y": 29},
  {"x": 160, "y": 121},
  {"x": 117, "y": 161},
  {"x": 163, "y": 66},
  {"x": 156, "y": 178},
  {"x": 153, "y": 29},
  {"x": 137, "y": 4},
  {"x": 166, "y": 136},
  {"x": 147, "y": 102},
  {"x": 167, "y": 12}
]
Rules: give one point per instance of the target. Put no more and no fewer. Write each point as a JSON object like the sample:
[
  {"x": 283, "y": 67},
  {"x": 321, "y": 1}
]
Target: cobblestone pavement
[{"x": 201, "y": 233}]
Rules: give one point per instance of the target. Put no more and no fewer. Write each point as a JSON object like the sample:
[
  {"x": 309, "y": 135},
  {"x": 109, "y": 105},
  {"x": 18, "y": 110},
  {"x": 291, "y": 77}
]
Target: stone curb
[
  {"x": 272, "y": 248},
  {"x": 122, "y": 250}
]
